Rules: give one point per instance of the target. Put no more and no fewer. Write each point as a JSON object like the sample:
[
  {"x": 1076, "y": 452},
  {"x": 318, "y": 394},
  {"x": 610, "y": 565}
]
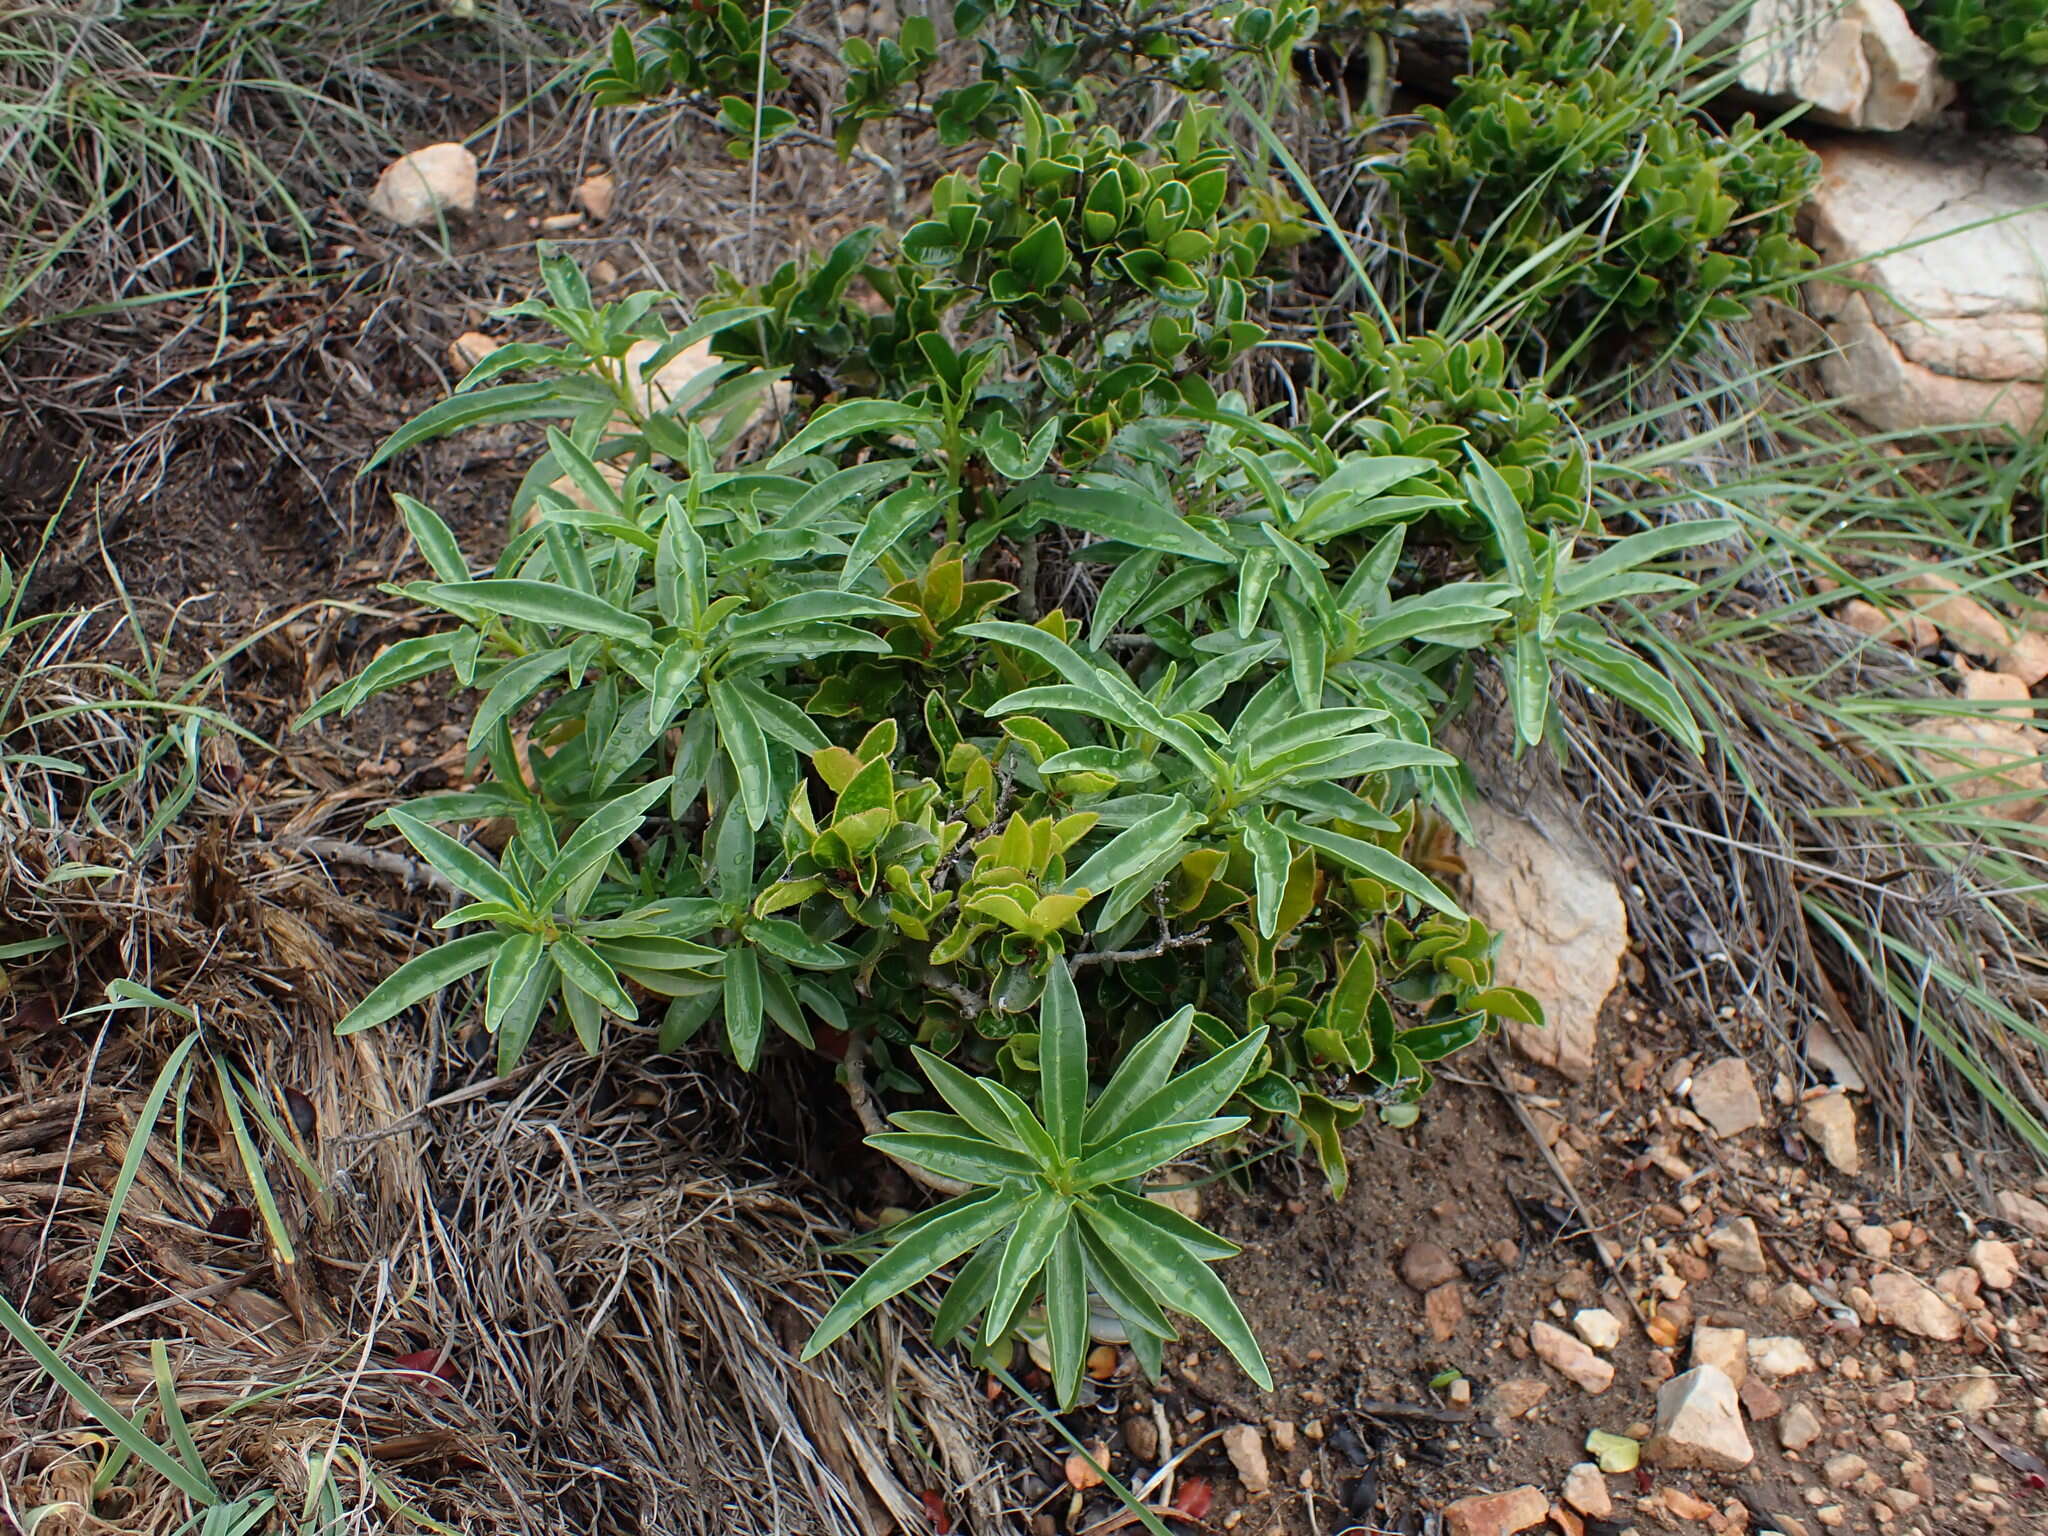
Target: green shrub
[
  {"x": 1997, "y": 51},
  {"x": 774, "y": 745},
  {"x": 1567, "y": 186}
]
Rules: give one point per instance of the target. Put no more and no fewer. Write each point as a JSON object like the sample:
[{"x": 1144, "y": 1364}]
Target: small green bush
[
  {"x": 775, "y": 745},
  {"x": 1997, "y": 51},
  {"x": 1568, "y": 187}
]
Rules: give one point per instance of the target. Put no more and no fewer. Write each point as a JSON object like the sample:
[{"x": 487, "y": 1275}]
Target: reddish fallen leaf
[
  {"x": 935, "y": 1507},
  {"x": 39, "y": 1014},
  {"x": 432, "y": 1365},
  {"x": 1194, "y": 1498},
  {"x": 2024, "y": 1462},
  {"x": 233, "y": 1223}
]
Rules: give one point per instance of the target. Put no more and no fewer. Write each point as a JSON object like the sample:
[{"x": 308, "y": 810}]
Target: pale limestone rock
[
  {"x": 1779, "y": 1357},
  {"x": 1739, "y": 1245},
  {"x": 594, "y": 195},
  {"x": 1600, "y": 1328},
  {"x": 1569, "y": 1356},
  {"x": 1976, "y": 1394},
  {"x": 2011, "y": 648},
  {"x": 1725, "y": 1349},
  {"x": 426, "y": 186},
  {"x": 469, "y": 349},
  {"x": 1996, "y": 1262},
  {"x": 1586, "y": 1491},
  {"x": 1995, "y": 766},
  {"x": 1830, "y": 1120},
  {"x": 1496, "y": 1514},
  {"x": 1724, "y": 1095},
  {"x": 1798, "y": 1428},
  {"x": 1699, "y": 1424},
  {"x": 1247, "y": 1451},
  {"x": 1955, "y": 329},
  {"x": 2022, "y": 1211},
  {"x": 1563, "y": 930},
  {"x": 1425, "y": 1266},
  {"x": 1904, "y": 1303},
  {"x": 1853, "y": 63}
]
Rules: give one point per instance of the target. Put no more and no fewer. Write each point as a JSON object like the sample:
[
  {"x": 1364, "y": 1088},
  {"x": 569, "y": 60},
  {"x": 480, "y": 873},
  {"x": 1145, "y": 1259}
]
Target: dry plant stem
[{"x": 871, "y": 1121}]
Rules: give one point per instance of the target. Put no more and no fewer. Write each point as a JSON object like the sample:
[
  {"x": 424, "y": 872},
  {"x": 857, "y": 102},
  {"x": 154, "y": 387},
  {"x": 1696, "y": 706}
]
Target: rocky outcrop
[
  {"x": 1854, "y": 65},
  {"x": 1953, "y": 327}
]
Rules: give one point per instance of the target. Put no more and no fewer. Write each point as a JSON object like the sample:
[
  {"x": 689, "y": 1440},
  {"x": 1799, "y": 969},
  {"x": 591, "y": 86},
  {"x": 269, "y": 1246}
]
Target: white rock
[
  {"x": 1976, "y": 1394},
  {"x": 1740, "y": 1246},
  {"x": 1778, "y": 1358},
  {"x": 1725, "y": 1349},
  {"x": 1563, "y": 930},
  {"x": 1597, "y": 1326},
  {"x": 1798, "y": 1427},
  {"x": 1998, "y": 1263},
  {"x": 1585, "y": 1490},
  {"x": 1875, "y": 1241},
  {"x": 1903, "y": 1302},
  {"x": 471, "y": 348},
  {"x": 1247, "y": 1451},
  {"x": 426, "y": 186},
  {"x": 2022, "y": 1211},
  {"x": 1565, "y": 1353},
  {"x": 1699, "y": 1424},
  {"x": 1855, "y": 65},
  {"x": 1831, "y": 1121},
  {"x": 1963, "y": 335},
  {"x": 1724, "y": 1095},
  {"x": 594, "y": 196}
]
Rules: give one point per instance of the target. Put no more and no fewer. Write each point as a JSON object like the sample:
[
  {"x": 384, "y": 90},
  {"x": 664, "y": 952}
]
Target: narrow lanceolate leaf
[
  {"x": 1191, "y": 1235},
  {"x": 968, "y": 1159},
  {"x": 581, "y": 964},
  {"x": 542, "y": 602},
  {"x": 1024, "y": 1256},
  {"x": 1066, "y": 1312},
  {"x": 464, "y": 865},
  {"x": 436, "y": 543},
  {"x": 967, "y": 1297},
  {"x": 597, "y": 839},
  {"x": 924, "y": 1245},
  {"x": 1144, "y": 1150},
  {"x": 421, "y": 977},
  {"x": 1271, "y": 856},
  {"x": 745, "y": 744},
  {"x": 970, "y": 1099},
  {"x": 1611, "y": 669},
  {"x": 506, "y": 402},
  {"x": 1136, "y": 848},
  {"x": 1528, "y": 680},
  {"x": 1625, "y": 554},
  {"x": 853, "y": 418},
  {"x": 1125, "y": 1293},
  {"x": 910, "y": 510},
  {"x": 510, "y": 688},
  {"x": 511, "y": 969},
  {"x": 1180, "y": 1280},
  {"x": 1496, "y": 503},
  {"x": 1142, "y": 1073},
  {"x": 1371, "y": 859},
  {"x": 1062, "y": 1060},
  {"x": 1198, "y": 1092},
  {"x": 743, "y": 1005}
]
